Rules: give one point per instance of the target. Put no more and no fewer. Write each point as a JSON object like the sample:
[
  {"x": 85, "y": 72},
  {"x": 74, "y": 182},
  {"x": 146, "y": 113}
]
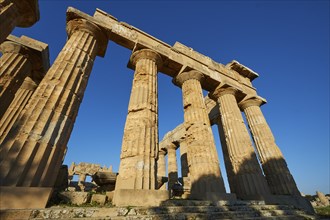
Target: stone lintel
[
  {"x": 242, "y": 70},
  {"x": 176, "y": 135},
  {"x": 38, "y": 51},
  {"x": 24, "y": 197},
  {"x": 28, "y": 11},
  {"x": 101, "y": 33},
  {"x": 176, "y": 56},
  {"x": 140, "y": 197}
]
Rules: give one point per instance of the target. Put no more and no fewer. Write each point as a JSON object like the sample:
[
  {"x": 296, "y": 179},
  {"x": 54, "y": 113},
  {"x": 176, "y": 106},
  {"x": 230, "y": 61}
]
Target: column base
[
  {"x": 139, "y": 197},
  {"x": 24, "y": 197}
]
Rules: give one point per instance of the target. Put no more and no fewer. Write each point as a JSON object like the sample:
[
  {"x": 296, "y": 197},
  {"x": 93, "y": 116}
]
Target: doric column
[
  {"x": 203, "y": 161},
  {"x": 244, "y": 174},
  {"x": 22, "y": 96},
  {"x": 172, "y": 165},
  {"x": 13, "y": 71},
  {"x": 161, "y": 167},
  {"x": 277, "y": 173},
  {"x": 15, "y": 65},
  {"x": 21, "y": 13},
  {"x": 140, "y": 141},
  {"x": 32, "y": 152},
  {"x": 139, "y": 152}
]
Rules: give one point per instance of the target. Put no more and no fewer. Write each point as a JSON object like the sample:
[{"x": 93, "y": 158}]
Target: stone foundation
[
  {"x": 24, "y": 197},
  {"x": 139, "y": 197}
]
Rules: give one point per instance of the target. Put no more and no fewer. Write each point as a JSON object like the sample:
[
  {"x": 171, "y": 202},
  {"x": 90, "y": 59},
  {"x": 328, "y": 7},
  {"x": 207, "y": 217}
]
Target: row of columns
[
  {"x": 32, "y": 148},
  {"x": 245, "y": 176}
]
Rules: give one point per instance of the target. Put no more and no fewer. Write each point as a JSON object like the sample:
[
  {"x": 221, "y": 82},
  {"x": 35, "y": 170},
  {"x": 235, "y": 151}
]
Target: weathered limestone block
[
  {"x": 277, "y": 173},
  {"x": 22, "y": 66},
  {"x": 324, "y": 201},
  {"x": 99, "y": 198},
  {"x": 243, "y": 170},
  {"x": 77, "y": 198},
  {"x": 21, "y": 13},
  {"x": 203, "y": 161},
  {"x": 172, "y": 166},
  {"x": 32, "y": 153}
]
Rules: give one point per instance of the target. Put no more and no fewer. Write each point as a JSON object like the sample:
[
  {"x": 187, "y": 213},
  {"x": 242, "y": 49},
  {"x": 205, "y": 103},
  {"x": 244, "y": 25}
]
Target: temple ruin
[{"x": 40, "y": 103}]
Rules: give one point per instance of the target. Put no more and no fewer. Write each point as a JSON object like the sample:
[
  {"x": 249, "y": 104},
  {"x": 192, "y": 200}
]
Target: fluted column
[
  {"x": 15, "y": 66},
  {"x": 161, "y": 167},
  {"x": 140, "y": 141},
  {"x": 22, "y": 96},
  {"x": 275, "y": 168},
  {"x": 203, "y": 160},
  {"x": 13, "y": 73},
  {"x": 244, "y": 174},
  {"x": 21, "y": 13},
  {"x": 172, "y": 165},
  {"x": 31, "y": 154}
]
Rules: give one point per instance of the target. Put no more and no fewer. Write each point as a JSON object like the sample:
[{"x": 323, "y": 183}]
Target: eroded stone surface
[
  {"x": 277, "y": 173},
  {"x": 22, "y": 66},
  {"x": 21, "y": 13},
  {"x": 41, "y": 134},
  {"x": 244, "y": 174},
  {"x": 202, "y": 157}
]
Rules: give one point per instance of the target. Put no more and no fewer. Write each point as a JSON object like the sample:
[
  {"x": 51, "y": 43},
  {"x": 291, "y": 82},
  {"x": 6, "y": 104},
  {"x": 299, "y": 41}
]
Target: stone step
[
  {"x": 238, "y": 211},
  {"x": 181, "y": 202},
  {"x": 190, "y": 216},
  {"x": 264, "y": 210},
  {"x": 137, "y": 213}
]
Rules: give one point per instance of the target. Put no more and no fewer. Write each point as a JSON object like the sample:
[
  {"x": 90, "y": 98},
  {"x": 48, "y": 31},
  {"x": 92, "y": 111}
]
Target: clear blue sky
[{"x": 285, "y": 42}]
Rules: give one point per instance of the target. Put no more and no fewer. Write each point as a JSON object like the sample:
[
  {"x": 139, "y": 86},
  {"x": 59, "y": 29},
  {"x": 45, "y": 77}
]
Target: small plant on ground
[{"x": 323, "y": 211}]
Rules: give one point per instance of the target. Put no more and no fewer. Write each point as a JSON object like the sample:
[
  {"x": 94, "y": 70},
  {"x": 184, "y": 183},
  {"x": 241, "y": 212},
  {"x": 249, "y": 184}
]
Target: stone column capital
[
  {"x": 184, "y": 76},
  {"x": 84, "y": 25},
  {"x": 171, "y": 146},
  {"x": 252, "y": 101},
  {"x": 12, "y": 47},
  {"x": 222, "y": 90},
  {"x": 146, "y": 54},
  {"x": 162, "y": 152},
  {"x": 36, "y": 52}
]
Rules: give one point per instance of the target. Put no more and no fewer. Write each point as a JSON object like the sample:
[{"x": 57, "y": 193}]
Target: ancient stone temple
[{"x": 40, "y": 103}]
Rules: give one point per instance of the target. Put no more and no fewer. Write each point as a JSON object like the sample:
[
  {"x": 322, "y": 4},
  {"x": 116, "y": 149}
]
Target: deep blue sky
[{"x": 285, "y": 42}]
